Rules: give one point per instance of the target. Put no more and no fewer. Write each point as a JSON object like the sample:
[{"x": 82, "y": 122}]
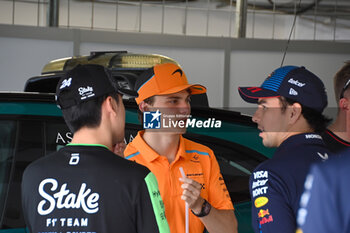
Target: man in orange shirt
[{"x": 164, "y": 91}]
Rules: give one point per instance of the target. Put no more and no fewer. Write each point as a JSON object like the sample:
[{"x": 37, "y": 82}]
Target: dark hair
[
  {"x": 150, "y": 101},
  {"x": 316, "y": 120},
  {"x": 86, "y": 114}
]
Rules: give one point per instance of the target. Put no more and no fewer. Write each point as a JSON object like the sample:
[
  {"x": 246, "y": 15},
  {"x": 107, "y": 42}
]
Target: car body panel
[{"x": 17, "y": 230}]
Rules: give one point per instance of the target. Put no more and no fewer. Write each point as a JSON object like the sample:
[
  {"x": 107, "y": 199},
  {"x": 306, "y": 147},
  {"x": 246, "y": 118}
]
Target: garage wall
[
  {"x": 257, "y": 65},
  {"x": 221, "y": 64},
  {"x": 22, "y": 58},
  {"x": 191, "y": 18}
]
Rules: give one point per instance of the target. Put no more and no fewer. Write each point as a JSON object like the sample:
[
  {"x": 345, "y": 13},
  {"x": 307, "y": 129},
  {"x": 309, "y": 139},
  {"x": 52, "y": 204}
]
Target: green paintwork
[
  {"x": 17, "y": 230},
  {"x": 242, "y": 212},
  {"x": 37, "y": 109}
]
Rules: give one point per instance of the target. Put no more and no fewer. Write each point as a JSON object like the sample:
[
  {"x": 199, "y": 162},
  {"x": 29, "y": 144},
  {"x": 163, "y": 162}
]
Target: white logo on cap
[
  {"x": 86, "y": 92},
  {"x": 296, "y": 82},
  {"x": 66, "y": 83},
  {"x": 293, "y": 92}
]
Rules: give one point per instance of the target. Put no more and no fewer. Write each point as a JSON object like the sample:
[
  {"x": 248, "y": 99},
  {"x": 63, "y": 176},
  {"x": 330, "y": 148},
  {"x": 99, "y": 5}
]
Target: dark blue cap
[{"x": 292, "y": 82}]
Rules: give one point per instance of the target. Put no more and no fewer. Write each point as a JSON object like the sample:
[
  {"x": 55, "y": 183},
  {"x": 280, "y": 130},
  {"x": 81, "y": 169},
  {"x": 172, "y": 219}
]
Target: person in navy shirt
[
  {"x": 324, "y": 205},
  {"x": 290, "y": 105}
]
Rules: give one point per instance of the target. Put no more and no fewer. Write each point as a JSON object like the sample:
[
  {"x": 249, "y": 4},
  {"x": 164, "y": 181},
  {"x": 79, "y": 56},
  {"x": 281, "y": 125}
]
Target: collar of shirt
[
  {"x": 335, "y": 137},
  {"x": 82, "y": 144},
  {"x": 300, "y": 139},
  {"x": 149, "y": 154}
]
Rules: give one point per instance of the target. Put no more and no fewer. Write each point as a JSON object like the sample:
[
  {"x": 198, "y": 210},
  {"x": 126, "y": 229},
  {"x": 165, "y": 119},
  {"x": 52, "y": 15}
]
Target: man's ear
[
  {"x": 110, "y": 105},
  {"x": 344, "y": 104},
  {"x": 143, "y": 106},
  {"x": 295, "y": 112}
]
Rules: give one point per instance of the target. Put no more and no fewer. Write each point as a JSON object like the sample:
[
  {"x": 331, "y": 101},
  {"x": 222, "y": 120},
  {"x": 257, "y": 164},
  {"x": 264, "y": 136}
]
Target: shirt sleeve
[
  {"x": 219, "y": 197},
  {"x": 319, "y": 211},
  {"x": 270, "y": 210},
  {"x": 150, "y": 208}
]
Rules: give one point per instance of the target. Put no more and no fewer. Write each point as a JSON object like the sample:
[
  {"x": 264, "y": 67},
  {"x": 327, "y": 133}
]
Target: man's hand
[
  {"x": 192, "y": 194},
  {"x": 218, "y": 221}
]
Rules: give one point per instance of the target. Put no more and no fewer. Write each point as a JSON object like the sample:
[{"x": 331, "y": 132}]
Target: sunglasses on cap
[{"x": 347, "y": 84}]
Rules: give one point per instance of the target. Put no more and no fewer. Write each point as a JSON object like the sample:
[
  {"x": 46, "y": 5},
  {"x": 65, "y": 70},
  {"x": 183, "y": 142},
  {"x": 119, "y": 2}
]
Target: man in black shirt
[
  {"x": 337, "y": 136},
  {"x": 84, "y": 187}
]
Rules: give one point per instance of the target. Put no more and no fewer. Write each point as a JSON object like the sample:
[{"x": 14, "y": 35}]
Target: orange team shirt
[{"x": 199, "y": 163}]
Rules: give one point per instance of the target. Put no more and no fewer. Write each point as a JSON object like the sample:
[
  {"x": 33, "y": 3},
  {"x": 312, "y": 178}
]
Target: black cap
[
  {"x": 86, "y": 82},
  {"x": 293, "y": 82}
]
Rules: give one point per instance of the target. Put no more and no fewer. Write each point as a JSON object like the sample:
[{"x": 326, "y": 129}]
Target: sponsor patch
[
  {"x": 292, "y": 92},
  {"x": 261, "y": 174},
  {"x": 64, "y": 198},
  {"x": 296, "y": 82},
  {"x": 261, "y": 201},
  {"x": 74, "y": 160},
  {"x": 195, "y": 158},
  {"x": 259, "y": 191},
  {"x": 266, "y": 220},
  {"x": 312, "y": 136},
  {"x": 254, "y": 89},
  {"x": 263, "y": 213},
  {"x": 194, "y": 174},
  {"x": 67, "y": 222},
  {"x": 323, "y": 156},
  {"x": 259, "y": 183},
  {"x": 86, "y": 92},
  {"x": 66, "y": 83}
]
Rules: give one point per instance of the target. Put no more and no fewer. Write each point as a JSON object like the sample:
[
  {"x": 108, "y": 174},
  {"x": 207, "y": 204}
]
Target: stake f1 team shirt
[
  {"x": 199, "y": 163},
  {"x": 87, "y": 188},
  {"x": 277, "y": 184}
]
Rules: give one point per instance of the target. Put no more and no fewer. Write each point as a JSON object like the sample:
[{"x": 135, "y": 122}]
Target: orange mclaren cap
[{"x": 164, "y": 79}]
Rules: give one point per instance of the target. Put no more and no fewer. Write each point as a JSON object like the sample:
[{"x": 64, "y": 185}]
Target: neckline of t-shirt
[{"x": 82, "y": 144}]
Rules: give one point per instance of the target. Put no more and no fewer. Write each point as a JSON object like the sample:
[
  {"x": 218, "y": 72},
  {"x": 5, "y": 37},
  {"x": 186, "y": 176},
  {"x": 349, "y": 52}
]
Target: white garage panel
[{"x": 24, "y": 58}]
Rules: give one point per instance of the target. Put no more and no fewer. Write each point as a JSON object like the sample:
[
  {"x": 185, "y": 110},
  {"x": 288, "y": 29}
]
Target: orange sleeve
[{"x": 219, "y": 196}]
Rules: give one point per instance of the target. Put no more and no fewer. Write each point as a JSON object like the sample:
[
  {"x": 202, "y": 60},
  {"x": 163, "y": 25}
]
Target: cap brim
[
  {"x": 128, "y": 93},
  {"x": 253, "y": 94},
  {"x": 194, "y": 88}
]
